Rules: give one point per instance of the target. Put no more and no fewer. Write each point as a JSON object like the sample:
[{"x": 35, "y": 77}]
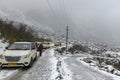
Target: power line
[
  {"x": 64, "y": 9},
  {"x": 54, "y": 15},
  {"x": 61, "y": 5},
  {"x": 51, "y": 9}
]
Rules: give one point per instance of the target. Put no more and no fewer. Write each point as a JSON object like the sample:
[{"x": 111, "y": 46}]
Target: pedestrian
[
  {"x": 40, "y": 49},
  {"x": 37, "y": 46}
]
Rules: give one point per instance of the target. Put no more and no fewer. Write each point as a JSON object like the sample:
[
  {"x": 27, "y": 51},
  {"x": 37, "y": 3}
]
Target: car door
[{"x": 33, "y": 50}]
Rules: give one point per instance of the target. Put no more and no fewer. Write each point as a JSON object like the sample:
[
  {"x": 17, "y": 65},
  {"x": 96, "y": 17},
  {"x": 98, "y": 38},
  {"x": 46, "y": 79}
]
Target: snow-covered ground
[
  {"x": 7, "y": 74},
  {"x": 2, "y": 46},
  {"x": 95, "y": 68},
  {"x": 44, "y": 67},
  {"x": 49, "y": 67},
  {"x": 83, "y": 72},
  {"x": 54, "y": 66}
]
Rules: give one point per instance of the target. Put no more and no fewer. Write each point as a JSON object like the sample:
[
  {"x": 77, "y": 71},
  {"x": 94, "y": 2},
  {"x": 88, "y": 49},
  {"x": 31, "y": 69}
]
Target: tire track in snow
[{"x": 6, "y": 74}]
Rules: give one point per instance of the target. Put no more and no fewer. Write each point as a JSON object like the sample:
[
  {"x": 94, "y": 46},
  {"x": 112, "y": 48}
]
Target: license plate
[{"x": 12, "y": 64}]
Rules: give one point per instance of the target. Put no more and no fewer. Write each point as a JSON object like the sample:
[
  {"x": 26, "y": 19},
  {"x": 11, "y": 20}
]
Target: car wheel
[
  {"x": 35, "y": 57},
  {"x": 1, "y": 67},
  {"x": 30, "y": 64}
]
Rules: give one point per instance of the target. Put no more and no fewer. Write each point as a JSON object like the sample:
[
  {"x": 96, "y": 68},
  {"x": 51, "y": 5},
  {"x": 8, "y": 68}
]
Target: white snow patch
[
  {"x": 60, "y": 68},
  {"x": 6, "y": 74},
  {"x": 97, "y": 69},
  {"x": 112, "y": 53},
  {"x": 54, "y": 73},
  {"x": 2, "y": 46},
  {"x": 68, "y": 73}
]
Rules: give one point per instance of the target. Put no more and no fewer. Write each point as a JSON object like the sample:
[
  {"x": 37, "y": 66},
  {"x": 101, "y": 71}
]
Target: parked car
[
  {"x": 46, "y": 45},
  {"x": 19, "y": 54},
  {"x": 57, "y": 43}
]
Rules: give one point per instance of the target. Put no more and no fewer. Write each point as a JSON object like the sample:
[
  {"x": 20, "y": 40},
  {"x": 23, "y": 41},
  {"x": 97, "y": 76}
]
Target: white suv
[
  {"x": 46, "y": 45},
  {"x": 19, "y": 54}
]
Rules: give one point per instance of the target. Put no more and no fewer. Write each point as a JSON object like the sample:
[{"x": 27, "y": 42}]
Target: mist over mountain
[{"x": 88, "y": 20}]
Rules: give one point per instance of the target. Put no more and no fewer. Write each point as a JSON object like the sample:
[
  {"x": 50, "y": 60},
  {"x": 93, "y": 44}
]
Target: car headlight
[
  {"x": 26, "y": 56},
  {"x": 1, "y": 57}
]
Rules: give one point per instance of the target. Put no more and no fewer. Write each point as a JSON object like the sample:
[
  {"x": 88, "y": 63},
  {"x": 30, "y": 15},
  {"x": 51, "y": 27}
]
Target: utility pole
[{"x": 66, "y": 38}]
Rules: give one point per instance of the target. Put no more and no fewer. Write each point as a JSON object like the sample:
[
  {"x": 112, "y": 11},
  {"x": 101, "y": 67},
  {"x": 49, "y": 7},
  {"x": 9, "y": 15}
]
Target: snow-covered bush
[
  {"x": 78, "y": 48},
  {"x": 61, "y": 50}
]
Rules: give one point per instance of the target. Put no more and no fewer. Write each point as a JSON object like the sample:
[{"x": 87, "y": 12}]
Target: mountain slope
[{"x": 18, "y": 17}]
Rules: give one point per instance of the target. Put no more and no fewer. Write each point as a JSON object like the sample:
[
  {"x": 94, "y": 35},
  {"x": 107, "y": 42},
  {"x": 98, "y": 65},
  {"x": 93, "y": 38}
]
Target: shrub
[
  {"x": 78, "y": 47},
  {"x": 117, "y": 66}
]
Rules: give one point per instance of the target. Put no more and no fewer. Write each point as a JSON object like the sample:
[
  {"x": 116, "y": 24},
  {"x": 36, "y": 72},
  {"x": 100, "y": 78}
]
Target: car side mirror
[{"x": 6, "y": 47}]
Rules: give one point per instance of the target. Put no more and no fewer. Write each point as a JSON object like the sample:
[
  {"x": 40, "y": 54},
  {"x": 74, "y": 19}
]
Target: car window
[
  {"x": 33, "y": 46},
  {"x": 19, "y": 47}
]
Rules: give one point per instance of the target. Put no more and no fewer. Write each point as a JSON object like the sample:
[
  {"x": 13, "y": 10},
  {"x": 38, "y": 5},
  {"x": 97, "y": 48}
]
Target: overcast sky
[{"x": 89, "y": 20}]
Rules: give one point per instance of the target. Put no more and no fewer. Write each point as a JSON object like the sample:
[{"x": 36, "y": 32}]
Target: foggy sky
[{"x": 88, "y": 20}]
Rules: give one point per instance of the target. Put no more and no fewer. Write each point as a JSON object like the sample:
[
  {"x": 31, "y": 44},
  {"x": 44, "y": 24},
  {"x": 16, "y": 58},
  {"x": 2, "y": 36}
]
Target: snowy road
[
  {"x": 43, "y": 68},
  {"x": 82, "y": 72},
  {"x": 56, "y": 67},
  {"x": 48, "y": 67},
  {"x": 53, "y": 66},
  {"x": 7, "y": 74}
]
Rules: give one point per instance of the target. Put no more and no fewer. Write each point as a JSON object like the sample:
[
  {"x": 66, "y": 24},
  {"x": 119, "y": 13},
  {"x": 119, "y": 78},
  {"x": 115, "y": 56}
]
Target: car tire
[
  {"x": 30, "y": 64},
  {"x": 1, "y": 67},
  {"x": 35, "y": 57}
]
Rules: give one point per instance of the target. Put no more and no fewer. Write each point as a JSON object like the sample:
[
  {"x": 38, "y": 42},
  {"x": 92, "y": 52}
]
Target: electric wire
[{"x": 51, "y": 9}]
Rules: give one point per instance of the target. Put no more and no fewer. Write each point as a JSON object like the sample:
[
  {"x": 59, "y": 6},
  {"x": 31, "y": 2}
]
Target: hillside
[{"x": 16, "y": 32}]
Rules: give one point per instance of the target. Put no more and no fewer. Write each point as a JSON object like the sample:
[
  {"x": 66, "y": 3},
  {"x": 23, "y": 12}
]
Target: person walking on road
[{"x": 40, "y": 49}]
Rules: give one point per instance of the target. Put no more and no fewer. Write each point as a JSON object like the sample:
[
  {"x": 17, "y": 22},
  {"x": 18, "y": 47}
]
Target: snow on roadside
[
  {"x": 97, "y": 69},
  {"x": 2, "y": 46},
  {"x": 112, "y": 53},
  {"x": 7, "y": 74},
  {"x": 54, "y": 72},
  {"x": 68, "y": 73},
  {"x": 43, "y": 68},
  {"x": 61, "y": 71}
]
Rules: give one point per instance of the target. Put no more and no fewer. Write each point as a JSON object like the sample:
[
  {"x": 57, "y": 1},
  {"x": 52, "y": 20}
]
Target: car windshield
[{"x": 19, "y": 47}]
